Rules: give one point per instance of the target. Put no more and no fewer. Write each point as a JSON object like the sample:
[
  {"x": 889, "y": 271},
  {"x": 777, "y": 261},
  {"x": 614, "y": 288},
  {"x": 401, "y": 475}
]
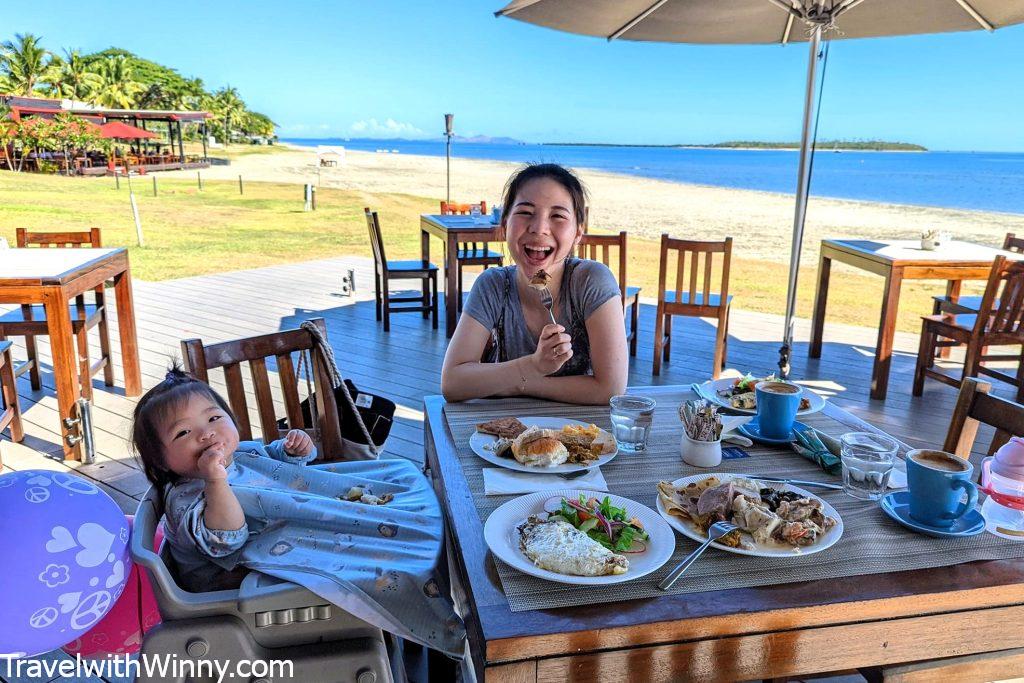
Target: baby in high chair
[{"x": 184, "y": 432}]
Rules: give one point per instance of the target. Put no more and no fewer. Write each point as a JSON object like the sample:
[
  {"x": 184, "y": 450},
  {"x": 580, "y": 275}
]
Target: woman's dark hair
[
  {"x": 178, "y": 386},
  {"x": 560, "y": 175}
]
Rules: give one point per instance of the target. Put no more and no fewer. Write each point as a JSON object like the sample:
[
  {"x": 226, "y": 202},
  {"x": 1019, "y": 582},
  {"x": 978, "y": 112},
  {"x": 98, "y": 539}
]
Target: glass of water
[
  {"x": 867, "y": 463},
  {"x": 631, "y": 421}
]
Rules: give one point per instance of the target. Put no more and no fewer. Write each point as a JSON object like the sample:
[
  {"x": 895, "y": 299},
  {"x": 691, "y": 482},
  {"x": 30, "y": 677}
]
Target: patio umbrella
[
  {"x": 124, "y": 131},
  {"x": 768, "y": 21}
]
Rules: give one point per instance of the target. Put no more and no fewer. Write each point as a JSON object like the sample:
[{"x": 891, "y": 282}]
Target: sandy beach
[{"x": 759, "y": 222}]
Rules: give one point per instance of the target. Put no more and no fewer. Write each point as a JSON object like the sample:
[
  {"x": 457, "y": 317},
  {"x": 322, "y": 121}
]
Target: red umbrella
[{"x": 123, "y": 131}]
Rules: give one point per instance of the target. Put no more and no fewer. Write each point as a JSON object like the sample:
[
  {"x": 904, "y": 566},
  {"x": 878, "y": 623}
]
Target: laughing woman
[{"x": 506, "y": 343}]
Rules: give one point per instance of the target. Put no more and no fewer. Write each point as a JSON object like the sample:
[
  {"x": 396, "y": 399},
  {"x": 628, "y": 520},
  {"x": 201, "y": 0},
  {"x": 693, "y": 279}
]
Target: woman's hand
[
  {"x": 298, "y": 443},
  {"x": 212, "y": 464},
  {"x": 554, "y": 348}
]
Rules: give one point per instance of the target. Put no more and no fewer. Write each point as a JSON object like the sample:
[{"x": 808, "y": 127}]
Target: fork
[
  {"x": 717, "y": 530},
  {"x": 545, "y": 299}
]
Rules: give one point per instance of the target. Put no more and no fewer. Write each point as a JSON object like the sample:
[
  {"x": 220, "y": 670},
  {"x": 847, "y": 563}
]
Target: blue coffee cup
[
  {"x": 777, "y": 405},
  {"x": 937, "y": 481}
]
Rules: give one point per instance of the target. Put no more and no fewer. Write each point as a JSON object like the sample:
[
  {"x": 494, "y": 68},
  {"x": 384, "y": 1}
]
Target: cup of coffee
[
  {"x": 777, "y": 405},
  {"x": 937, "y": 482}
]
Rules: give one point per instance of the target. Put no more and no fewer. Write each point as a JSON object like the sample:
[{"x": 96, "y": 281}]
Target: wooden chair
[
  {"x": 277, "y": 347},
  {"x": 691, "y": 301},
  {"x": 30, "y": 320},
  {"x": 599, "y": 248},
  {"x": 472, "y": 253},
  {"x": 1000, "y": 324},
  {"x": 976, "y": 406},
  {"x": 385, "y": 271},
  {"x": 970, "y": 304},
  {"x": 10, "y": 416}
]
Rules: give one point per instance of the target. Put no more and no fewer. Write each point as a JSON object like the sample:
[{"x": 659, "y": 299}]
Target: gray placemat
[{"x": 871, "y": 542}]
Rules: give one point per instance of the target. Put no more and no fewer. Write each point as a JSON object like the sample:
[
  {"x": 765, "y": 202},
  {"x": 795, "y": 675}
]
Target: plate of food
[
  {"x": 579, "y": 537},
  {"x": 737, "y": 393},
  {"x": 549, "y": 445},
  {"x": 774, "y": 520}
]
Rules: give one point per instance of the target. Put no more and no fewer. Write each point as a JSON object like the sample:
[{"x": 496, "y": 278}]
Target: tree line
[{"x": 118, "y": 79}]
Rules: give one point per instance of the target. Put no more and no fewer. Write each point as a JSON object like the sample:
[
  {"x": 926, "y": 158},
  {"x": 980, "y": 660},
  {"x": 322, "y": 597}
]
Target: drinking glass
[
  {"x": 631, "y": 421},
  {"x": 867, "y": 463},
  {"x": 474, "y": 211}
]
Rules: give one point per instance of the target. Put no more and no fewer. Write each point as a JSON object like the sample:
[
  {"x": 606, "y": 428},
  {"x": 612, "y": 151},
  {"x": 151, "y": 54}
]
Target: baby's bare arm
[{"x": 223, "y": 511}]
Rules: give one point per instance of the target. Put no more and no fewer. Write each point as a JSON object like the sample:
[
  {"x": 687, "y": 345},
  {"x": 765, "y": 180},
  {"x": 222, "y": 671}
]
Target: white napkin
[{"x": 499, "y": 481}]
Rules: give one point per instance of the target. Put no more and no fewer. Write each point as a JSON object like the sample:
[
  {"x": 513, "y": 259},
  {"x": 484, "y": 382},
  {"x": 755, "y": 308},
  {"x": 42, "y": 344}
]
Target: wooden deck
[{"x": 405, "y": 365}]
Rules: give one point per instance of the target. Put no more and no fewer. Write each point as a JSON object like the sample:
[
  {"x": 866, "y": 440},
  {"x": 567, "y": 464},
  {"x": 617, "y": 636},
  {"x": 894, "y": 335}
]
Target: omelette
[{"x": 562, "y": 548}]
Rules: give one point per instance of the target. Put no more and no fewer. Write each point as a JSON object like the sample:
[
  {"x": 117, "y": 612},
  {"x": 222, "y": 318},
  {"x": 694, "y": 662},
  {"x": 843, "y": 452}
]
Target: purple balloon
[{"x": 66, "y": 561}]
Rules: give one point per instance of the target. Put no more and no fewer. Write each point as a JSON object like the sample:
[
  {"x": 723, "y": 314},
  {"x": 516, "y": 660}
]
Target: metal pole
[
  {"x": 800, "y": 212},
  {"x": 135, "y": 211},
  {"x": 240, "y": 185},
  {"x": 199, "y": 179},
  {"x": 448, "y": 170},
  {"x": 154, "y": 186}
]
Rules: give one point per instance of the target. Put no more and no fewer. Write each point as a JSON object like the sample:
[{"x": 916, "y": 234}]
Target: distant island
[
  {"x": 844, "y": 145},
  {"x": 825, "y": 145}
]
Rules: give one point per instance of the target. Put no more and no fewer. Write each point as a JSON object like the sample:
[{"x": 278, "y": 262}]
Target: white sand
[{"x": 759, "y": 222}]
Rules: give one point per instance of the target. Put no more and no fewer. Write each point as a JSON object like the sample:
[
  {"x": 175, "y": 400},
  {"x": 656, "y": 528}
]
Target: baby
[{"x": 185, "y": 435}]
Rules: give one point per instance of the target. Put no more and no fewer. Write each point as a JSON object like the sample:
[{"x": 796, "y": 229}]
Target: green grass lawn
[{"x": 188, "y": 232}]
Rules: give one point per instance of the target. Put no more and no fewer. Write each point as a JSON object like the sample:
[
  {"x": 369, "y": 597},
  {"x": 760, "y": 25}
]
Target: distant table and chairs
[
  {"x": 456, "y": 230},
  {"x": 48, "y": 283},
  {"x": 896, "y": 261}
]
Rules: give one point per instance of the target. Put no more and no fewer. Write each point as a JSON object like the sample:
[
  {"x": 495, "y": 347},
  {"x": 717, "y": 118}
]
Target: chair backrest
[
  {"x": 376, "y": 240},
  {"x": 604, "y": 248},
  {"x": 1004, "y": 301},
  {"x": 454, "y": 208},
  {"x": 1013, "y": 243},
  {"x": 278, "y": 346},
  {"x": 693, "y": 270},
  {"x": 87, "y": 238},
  {"x": 976, "y": 406}
]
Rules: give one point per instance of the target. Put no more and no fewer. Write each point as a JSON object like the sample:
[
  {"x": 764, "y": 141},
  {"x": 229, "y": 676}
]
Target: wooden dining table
[
  {"x": 453, "y": 230},
  {"x": 743, "y": 633},
  {"x": 53, "y": 278},
  {"x": 896, "y": 261}
]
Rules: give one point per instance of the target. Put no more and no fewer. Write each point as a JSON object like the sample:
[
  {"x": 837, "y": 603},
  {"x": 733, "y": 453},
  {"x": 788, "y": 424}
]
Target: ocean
[{"x": 985, "y": 181}]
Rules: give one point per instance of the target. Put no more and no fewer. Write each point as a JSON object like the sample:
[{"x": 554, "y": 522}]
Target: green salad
[{"x": 600, "y": 520}]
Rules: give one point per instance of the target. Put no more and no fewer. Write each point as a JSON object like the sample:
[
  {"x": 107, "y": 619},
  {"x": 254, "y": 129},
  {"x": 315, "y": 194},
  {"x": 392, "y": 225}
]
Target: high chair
[{"x": 264, "y": 619}]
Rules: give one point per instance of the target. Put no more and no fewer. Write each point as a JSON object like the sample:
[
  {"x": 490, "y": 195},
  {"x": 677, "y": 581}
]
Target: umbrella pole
[{"x": 803, "y": 184}]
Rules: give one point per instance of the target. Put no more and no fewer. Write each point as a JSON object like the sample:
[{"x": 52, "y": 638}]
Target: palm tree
[
  {"x": 71, "y": 76},
  {"x": 116, "y": 87},
  {"x": 23, "y": 64},
  {"x": 227, "y": 107}
]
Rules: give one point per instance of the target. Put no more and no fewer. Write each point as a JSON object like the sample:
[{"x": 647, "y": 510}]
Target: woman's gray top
[{"x": 494, "y": 303}]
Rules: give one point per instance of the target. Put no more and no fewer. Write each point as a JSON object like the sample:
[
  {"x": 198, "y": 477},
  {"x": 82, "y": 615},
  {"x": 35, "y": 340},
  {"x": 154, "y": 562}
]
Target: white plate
[
  {"x": 689, "y": 529},
  {"x": 502, "y": 536},
  {"x": 477, "y": 442},
  {"x": 710, "y": 389}
]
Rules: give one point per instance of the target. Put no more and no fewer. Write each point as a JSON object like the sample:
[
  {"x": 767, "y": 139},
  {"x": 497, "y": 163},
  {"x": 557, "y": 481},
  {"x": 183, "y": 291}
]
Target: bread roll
[{"x": 539, "y": 448}]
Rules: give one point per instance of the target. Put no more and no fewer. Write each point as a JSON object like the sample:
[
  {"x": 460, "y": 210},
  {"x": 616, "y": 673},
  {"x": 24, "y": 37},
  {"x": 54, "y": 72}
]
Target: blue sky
[{"x": 394, "y": 67}]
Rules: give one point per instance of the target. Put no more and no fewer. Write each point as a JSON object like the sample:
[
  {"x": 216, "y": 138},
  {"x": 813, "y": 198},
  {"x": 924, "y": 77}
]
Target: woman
[{"x": 505, "y": 343}]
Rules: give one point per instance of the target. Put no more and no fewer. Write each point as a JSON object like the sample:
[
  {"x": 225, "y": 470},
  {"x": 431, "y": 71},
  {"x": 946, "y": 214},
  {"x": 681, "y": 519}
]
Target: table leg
[
  {"x": 425, "y": 256},
  {"x": 126, "y": 330},
  {"x": 65, "y": 365},
  {"x": 820, "y": 301},
  {"x": 451, "y": 296},
  {"x": 886, "y": 333}
]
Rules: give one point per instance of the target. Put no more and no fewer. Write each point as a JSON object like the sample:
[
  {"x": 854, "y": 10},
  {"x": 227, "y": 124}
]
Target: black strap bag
[{"x": 365, "y": 418}]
